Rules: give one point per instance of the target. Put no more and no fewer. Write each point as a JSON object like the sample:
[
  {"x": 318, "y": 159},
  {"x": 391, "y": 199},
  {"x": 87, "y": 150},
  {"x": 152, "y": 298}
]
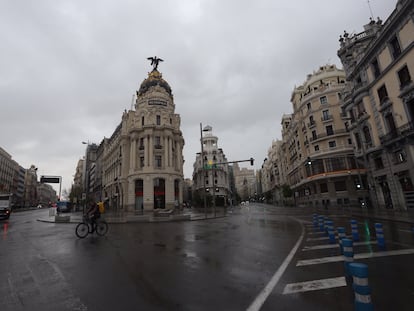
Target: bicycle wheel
[
  {"x": 101, "y": 227},
  {"x": 82, "y": 230}
]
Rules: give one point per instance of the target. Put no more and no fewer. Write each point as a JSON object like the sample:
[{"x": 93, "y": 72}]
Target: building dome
[{"x": 154, "y": 79}]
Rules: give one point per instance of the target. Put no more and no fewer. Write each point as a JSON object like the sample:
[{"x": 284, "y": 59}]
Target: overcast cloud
[{"x": 68, "y": 69}]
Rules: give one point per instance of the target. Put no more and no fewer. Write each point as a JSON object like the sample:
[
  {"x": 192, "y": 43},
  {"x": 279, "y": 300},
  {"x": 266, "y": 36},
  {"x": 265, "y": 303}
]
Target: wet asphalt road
[{"x": 216, "y": 264}]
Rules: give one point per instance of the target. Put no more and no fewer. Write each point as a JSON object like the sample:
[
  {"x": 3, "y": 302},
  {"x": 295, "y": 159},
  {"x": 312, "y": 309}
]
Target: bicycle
[{"x": 87, "y": 227}]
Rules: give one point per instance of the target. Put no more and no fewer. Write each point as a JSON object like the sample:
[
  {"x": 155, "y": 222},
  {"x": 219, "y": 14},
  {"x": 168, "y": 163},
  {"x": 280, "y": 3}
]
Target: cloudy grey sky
[{"x": 68, "y": 69}]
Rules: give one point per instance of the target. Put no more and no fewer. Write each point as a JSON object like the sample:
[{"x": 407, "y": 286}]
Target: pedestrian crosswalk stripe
[
  {"x": 314, "y": 285},
  {"x": 326, "y": 246},
  {"x": 317, "y": 239},
  {"x": 322, "y": 260}
]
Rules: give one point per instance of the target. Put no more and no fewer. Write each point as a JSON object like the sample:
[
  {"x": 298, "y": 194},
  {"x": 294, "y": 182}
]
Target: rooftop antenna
[{"x": 370, "y": 10}]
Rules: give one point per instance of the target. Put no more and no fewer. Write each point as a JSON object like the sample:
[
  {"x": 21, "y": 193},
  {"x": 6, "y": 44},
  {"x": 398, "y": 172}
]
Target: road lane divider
[{"x": 262, "y": 296}]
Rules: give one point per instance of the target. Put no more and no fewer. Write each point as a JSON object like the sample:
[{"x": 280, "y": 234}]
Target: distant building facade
[
  {"x": 245, "y": 182},
  {"x": 214, "y": 175}
]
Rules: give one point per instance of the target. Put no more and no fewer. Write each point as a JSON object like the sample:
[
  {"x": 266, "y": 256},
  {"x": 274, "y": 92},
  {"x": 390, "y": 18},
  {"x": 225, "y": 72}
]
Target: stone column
[{"x": 166, "y": 150}]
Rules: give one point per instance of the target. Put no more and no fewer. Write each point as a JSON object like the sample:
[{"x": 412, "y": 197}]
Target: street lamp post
[{"x": 203, "y": 169}]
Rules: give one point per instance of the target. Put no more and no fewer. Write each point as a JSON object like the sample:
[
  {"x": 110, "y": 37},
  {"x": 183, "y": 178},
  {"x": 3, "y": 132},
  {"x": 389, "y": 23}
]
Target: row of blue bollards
[{"x": 358, "y": 271}]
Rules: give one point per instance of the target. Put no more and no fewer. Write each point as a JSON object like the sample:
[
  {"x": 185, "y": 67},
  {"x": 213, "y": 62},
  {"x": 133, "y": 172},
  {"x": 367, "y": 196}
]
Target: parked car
[{"x": 63, "y": 206}]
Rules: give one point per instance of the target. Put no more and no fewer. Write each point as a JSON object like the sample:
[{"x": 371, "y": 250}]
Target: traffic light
[{"x": 251, "y": 161}]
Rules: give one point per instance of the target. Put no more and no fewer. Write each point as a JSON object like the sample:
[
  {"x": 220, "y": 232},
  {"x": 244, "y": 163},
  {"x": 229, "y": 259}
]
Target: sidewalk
[{"x": 131, "y": 217}]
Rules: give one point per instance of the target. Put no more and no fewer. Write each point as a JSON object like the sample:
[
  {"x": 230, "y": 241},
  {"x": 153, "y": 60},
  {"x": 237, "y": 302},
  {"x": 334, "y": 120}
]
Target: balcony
[
  {"x": 397, "y": 134},
  {"x": 327, "y": 118}
]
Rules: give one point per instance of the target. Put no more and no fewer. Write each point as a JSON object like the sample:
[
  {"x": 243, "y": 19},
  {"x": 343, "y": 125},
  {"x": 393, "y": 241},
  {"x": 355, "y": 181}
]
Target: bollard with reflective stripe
[
  {"x": 326, "y": 226},
  {"x": 341, "y": 235},
  {"x": 348, "y": 252},
  {"x": 354, "y": 230},
  {"x": 321, "y": 223},
  {"x": 315, "y": 221},
  {"x": 331, "y": 231},
  {"x": 379, "y": 232},
  {"x": 360, "y": 286}
]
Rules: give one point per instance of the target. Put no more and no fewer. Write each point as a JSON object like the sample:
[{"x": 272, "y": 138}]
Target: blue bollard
[
  {"x": 326, "y": 226},
  {"x": 315, "y": 221},
  {"x": 354, "y": 230},
  {"x": 348, "y": 251},
  {"x": 321, "y": 223},
  {"x": 379, "y": 233},
  {"x": 341, "y": 235},
  {"x": 362, "y": 291},
  {"x": 331, "y": 232}
]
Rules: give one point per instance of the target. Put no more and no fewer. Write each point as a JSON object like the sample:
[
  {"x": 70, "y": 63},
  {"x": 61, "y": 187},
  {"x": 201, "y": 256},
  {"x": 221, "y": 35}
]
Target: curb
[{"x": 133, "y": 219}]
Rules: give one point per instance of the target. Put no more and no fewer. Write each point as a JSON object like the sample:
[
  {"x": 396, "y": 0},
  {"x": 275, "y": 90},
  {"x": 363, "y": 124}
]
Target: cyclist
[{"x": 93, "y": 213}]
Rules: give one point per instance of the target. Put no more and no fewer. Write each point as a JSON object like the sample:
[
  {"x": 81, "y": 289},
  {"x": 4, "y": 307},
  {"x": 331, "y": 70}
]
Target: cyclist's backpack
[{"x": 101, "y": 207}]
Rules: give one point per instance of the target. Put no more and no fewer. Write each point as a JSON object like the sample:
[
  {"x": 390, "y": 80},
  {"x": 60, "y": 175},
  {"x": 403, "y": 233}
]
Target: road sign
[{"x": 50, "y": 179}]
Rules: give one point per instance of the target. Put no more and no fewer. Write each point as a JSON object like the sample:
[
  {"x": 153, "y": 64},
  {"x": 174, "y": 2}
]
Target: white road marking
[
  {"x": 322, "y": 260},
  {"x": 326, "y": 246},
  {"x": 314, "y": 285},
  {"x": 317, "y": 239},
  {"x": 261, "y": 298},
  {"x": 404, "y": 230}
]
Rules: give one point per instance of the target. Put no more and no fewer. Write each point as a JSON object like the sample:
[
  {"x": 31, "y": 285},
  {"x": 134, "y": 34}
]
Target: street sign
[{"x": 50, "y": 179}]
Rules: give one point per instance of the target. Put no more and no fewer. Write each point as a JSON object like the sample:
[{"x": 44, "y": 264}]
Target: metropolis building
[{"x": 142, "y": 162}]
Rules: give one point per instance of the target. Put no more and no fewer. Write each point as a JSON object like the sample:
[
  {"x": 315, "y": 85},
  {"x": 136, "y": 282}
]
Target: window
[
  {"x": 158, "y": 120},
  {"x": 400, "y": 156},
  {"x": 349, "y": 141},
  {"x": 323, "y": 187},
  {"x": 340, "y": 185},
  {"x": 382, "y": 93},
  {"x": 358, "y": 140},
  {"x": 367, "y": 135},
  {"x": 309, "y": 106},
  {"x": 141, "y": 143},
  {"x": 325, "y": 115},
  {"x": 158, "y": 161},
  {"x": 332, "y": 144},
  {"x": 317, "y": 148},
  {"x": 389, "y": 119},
  {"x": 311, "y": 120},
  {"x": 141, "y": 162},
  {"x": 375, "y": 68},
  {"x": 142, "y": 120},
  {"x": 314, "y": 136},
  {"x": 329, "y": 130},
  {"x": 157, "y": 141},
  {"x": 170, "y": 121},
  {"x": 378, "y": 163},
  {"x": 404, "y": 76},
  {"x": 395, "y": 47},
  {"x": 323, "y": 100},
  {"x": 340, "y": 96}
]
